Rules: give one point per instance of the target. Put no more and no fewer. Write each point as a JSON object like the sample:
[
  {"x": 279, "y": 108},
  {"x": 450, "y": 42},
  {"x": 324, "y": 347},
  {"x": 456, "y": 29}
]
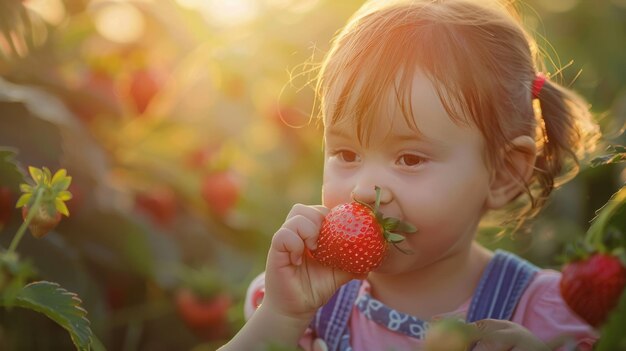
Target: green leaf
[
  {"x": 62, "y": 184},
  {"x": 612, "y": 335},
  {"x": 23, "y": 200},
  {"x": 36, "y": 174},
  {"x": 394, "y": 238},
  {"x": 64, "y": 195},
  {"x": 10, "y": 175},
  {"x": 616, "y": 153},
  {"x": 404, "y": 227},
  {"x": 26, "y": 188},
  {"x": 61, "y": 207},
  {"x": 59, "y": 305},
  {"x": 390, "y": 223},
  {"x": 59, "y": 176},
  {"x": 612, "y": 213}
]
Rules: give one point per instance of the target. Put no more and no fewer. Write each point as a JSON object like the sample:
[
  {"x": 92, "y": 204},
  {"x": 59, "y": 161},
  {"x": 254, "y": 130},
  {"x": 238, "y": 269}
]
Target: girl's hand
[
  {"x": 295, "y": 284},
  {"x": 501, "y": 335}
]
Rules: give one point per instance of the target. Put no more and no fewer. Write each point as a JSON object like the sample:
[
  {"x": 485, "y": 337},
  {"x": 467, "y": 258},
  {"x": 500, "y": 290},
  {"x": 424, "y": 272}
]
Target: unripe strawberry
[
  {"x": 42, "y": 222},
  {"x": 47, "y": 197}
]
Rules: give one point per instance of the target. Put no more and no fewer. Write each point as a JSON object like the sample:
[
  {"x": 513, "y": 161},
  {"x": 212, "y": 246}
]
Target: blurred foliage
[{"x": 185, "y": 126}]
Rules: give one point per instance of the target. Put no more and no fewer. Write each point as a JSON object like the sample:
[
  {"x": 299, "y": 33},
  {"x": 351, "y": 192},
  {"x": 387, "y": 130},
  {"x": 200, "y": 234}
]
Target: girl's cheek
[{"x": 332, "y": 193}]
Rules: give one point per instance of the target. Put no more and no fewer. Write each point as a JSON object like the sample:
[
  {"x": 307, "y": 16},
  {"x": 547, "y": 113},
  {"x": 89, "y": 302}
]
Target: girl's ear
[{"x": 508, "y": 180}]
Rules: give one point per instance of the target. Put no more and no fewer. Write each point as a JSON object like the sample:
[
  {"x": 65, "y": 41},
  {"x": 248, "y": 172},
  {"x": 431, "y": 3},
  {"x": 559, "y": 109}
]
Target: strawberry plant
[
  {"x": 595, "y": 275},
  {"x": 592, "y": 286},
  {"x": 43, "y": 203},
  {"x": 354, "y": 236},
  {"x": 203, "y": 305}
]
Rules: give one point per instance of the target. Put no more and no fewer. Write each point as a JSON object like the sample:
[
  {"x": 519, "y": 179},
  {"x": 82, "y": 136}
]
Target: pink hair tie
[{"x": 538, "y": 83}]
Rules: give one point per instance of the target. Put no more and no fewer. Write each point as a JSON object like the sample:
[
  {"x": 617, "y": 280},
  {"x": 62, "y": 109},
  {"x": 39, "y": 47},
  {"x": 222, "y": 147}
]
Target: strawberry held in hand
[
  {"x": 593, "y": 286},
  {"x": 355, "y": 237}
]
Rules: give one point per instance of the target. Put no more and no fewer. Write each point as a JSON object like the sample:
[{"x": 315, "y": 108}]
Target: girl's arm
[
  {"x": 268, "y": 328},
  {"x": 295, "y": 284}
]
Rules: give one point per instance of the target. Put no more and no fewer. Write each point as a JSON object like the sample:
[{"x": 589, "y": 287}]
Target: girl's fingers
[
  {"x": 288, "y": 242},
  {"x": 305, "y": 228},
  {"x": 314, "y": 213}
]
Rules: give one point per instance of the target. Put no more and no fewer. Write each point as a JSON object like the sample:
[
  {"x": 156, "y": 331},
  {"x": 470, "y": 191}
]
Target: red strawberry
[
  {"x": 159, "y": 203},
  {"x": 206, "y": 316},
  {"x": 144, "y": 85},
  {"x": 6, "y": 205},
  {"x": 220, "y": 191},
  {"x": 592, "y": 287},
  {"x": 42, "y": 222},
  {"x": 354, "y": 237}
]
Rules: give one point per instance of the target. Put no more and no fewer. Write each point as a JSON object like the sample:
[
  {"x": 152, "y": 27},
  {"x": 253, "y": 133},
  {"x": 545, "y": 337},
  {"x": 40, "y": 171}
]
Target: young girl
[{"x": 443, "y": 106}]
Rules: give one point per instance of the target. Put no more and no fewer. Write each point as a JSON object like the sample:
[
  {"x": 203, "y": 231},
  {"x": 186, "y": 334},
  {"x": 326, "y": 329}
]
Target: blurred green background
[{"x": 185, "y": 127}]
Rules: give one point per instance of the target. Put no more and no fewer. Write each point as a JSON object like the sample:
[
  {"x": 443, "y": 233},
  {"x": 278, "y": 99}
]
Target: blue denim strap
[
  {"x": 331, "y": 320},
  {"x": 501, "y": 287}
]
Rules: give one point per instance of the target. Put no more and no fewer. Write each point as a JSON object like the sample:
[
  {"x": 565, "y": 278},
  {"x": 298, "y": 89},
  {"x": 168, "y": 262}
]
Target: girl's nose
[{"x": 367, "y": 194}]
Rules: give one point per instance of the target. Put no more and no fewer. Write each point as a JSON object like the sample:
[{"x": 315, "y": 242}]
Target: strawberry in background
[
  {"x": 220, "y": 190},
  {"x": 6, "y": 205},
  {"x": 96, "y": 95},
  {"x": 206, "y": 316},
  {"x": 203, "y": 304},
  {"x": 144, "y": 84},
  {"x": 159, "y": 203}
]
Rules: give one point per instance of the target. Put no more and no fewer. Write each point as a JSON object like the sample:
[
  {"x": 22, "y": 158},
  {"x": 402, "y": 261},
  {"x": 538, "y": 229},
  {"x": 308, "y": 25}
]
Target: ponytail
[{"x": 568, "y": 133}]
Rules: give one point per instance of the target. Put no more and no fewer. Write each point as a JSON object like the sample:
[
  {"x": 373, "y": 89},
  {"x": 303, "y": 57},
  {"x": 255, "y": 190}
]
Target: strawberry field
[{"x": 171, "y": 138}]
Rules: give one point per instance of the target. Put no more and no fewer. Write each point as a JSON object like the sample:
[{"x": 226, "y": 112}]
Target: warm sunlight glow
[
  {"x": 119, "y": 22},
  {"x": 52, "y": 11},
  {"x": 224, "y": 13},
  {"x": 560, "y": 5}
]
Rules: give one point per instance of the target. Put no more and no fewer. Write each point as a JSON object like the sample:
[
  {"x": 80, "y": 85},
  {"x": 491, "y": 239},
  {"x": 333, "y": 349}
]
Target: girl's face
[{"x": 436, "y": 179}]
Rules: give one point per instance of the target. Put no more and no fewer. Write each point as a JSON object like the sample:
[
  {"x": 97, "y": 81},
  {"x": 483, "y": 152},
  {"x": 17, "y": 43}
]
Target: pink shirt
[{"x": 540, "y": 310}]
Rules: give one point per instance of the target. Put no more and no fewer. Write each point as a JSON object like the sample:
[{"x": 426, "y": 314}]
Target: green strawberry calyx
[
  {"x": 51, "y": 188},
  {"x": 392, "y": 227}
]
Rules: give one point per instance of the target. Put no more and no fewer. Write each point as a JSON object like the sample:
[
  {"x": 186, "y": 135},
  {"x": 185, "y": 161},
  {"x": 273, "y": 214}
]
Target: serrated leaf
[{"x": 59, "y": 305}]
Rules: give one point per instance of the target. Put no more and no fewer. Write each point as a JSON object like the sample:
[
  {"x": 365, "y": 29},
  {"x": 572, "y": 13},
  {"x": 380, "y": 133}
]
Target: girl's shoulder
[{"x": 543, "y": 311}]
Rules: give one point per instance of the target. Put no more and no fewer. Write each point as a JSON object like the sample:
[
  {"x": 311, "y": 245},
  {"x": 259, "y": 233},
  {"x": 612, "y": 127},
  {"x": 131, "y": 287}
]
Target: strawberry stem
[
  {"x": 31, "y": 213},
  {"x": 377, "y": 203}
]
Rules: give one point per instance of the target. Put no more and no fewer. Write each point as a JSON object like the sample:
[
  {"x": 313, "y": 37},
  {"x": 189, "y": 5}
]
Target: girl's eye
[
  {"x": 410, "y": 160},
  {"x": 347, "y": 156}
]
